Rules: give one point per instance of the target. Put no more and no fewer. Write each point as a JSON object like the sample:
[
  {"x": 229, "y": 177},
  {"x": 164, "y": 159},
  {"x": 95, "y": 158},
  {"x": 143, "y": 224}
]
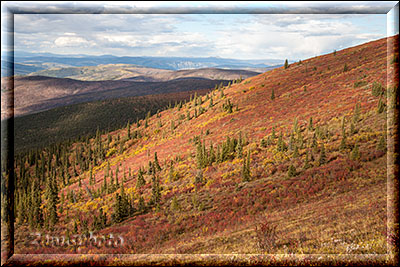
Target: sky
[{"x": 227, "y": 35}]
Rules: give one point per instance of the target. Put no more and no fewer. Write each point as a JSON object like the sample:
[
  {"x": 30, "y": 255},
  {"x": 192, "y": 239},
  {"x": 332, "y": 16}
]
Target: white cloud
[
  {"x": 72, "y": 41},
  {"x": 293, "y": 36}
]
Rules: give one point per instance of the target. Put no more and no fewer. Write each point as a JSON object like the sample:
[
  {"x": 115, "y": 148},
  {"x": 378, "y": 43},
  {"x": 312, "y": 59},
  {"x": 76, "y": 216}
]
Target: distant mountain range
[{"x": 25, "y": 63}]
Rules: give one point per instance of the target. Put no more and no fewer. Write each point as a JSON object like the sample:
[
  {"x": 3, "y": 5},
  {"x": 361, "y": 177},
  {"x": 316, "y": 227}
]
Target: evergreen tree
[
  {"x": 295, "y": 126},
  {"x": 343, "y": 144},
  {"x": 300, "y": 140},
  {"x": 377, "y": 89},
  {"x": 141, "y": 204},
  {"x": 112, "y": 179},
  {"x": 286, "y": 64},
  {"x": 199, "y": 177},
  {"x": 212, "y": 157},
  {"x": 291, "y": 171},
  {"x": 310, "y": 124},
  {"x": 246, "y": 174},
  {"x": 125, "y": 209},
  {"x": 116, "y": 175},
  {"x": 91, "y": 178},
  {"x": 281, "y": 146},
  {"x": 104, "y": 189},
  {"x": 156, "y": 164},
  {"x": 353, "y": 129},
  {"x": 356, "y": 114},
  {"x": 36, "y": 217},
  {"x": 296, "y": 152},
  {"x": 381, "y": 144},
  {"x": 121, "y": 146},
  {"x": 171, "y": 173},
  {"x": 117, "y": 209},
  {"x": 155, "y": 191},
  {"x": 307, "y": 161},
  {"x": 291, "y": 142},
  {"x": 140, "y": 180},
  {"x": 128, "y": 131},
  {"x": 314, "y": 144},
  {"x": 381, "y": 106},
  {"x": 174, "y": 204},
  {"x": 272, "y": 94},
  {"x": 355, "y": 154},
  {"x": 273, "y": 133},
  {"x": 263, "y": 143},
  {"x": 52, "y": 201},
  {"x": 322, "y": 156}
]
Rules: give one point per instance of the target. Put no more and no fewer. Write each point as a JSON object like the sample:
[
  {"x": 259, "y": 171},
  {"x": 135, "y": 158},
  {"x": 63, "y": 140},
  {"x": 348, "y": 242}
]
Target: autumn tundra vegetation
[{"x": 289, "y": 161}]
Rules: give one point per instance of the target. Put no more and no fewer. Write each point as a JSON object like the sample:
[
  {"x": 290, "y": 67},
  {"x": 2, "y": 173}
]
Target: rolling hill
[
  {"x": 33, "y": 94},
  {"x": 70, "y": 122},
  {"x": 289, "y": 161},
  {"x": 140, "y": 74}
]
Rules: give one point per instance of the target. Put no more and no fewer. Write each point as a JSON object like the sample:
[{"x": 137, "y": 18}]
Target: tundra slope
[{"x": 310, "y": 167}]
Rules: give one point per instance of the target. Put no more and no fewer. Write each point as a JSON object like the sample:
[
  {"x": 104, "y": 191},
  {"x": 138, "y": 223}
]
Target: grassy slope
[{"x": 338, "y": 207}]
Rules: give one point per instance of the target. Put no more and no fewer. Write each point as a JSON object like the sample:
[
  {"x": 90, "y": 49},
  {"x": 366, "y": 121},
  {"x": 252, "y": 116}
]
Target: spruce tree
[
  {"x": 307, "y": 161},
  {"x": 355, "y": 154},
  {"x": 174, "y": 204},
  {"x": 171, "y": 173},
  {"x": 310, "y": 124},
  {"x": 104, "y": 189},
  {"x": 246, "y": 174},
  {"x": 124, "y": 202},
  {"x": 291, "y": 171},
  {"x": 381, "y": 106},
  {"x": 117, "y": 209},
  {"x": 52, "y": 201},
  {"x": 356, "y": 114},
  {"x": 155, "y": 191},
  {"x": 272, "y": 94},
  {"x": 140, "y": 180},
  {"x": 91, "y": 178},
  {"x": 141, "y": 204},
  {"x": 199, "y": 177},
  {"x": 296, "y": 152},
  {"x": 322, "y": 156},
  {"x": 36, "y": 218},
  {"x": 263, "y": 143},
  {"x": 156, "y": 163},
  {"x": 381, "y": 144}
]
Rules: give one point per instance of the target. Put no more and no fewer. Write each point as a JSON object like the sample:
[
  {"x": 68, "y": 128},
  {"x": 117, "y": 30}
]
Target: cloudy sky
[{"x": 241, "y": 36}]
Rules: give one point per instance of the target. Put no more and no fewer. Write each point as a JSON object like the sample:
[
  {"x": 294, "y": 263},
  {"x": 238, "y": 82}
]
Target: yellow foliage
[
  {"x": 215, "y": 118},
  {"x": 111, "y": 152}
]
